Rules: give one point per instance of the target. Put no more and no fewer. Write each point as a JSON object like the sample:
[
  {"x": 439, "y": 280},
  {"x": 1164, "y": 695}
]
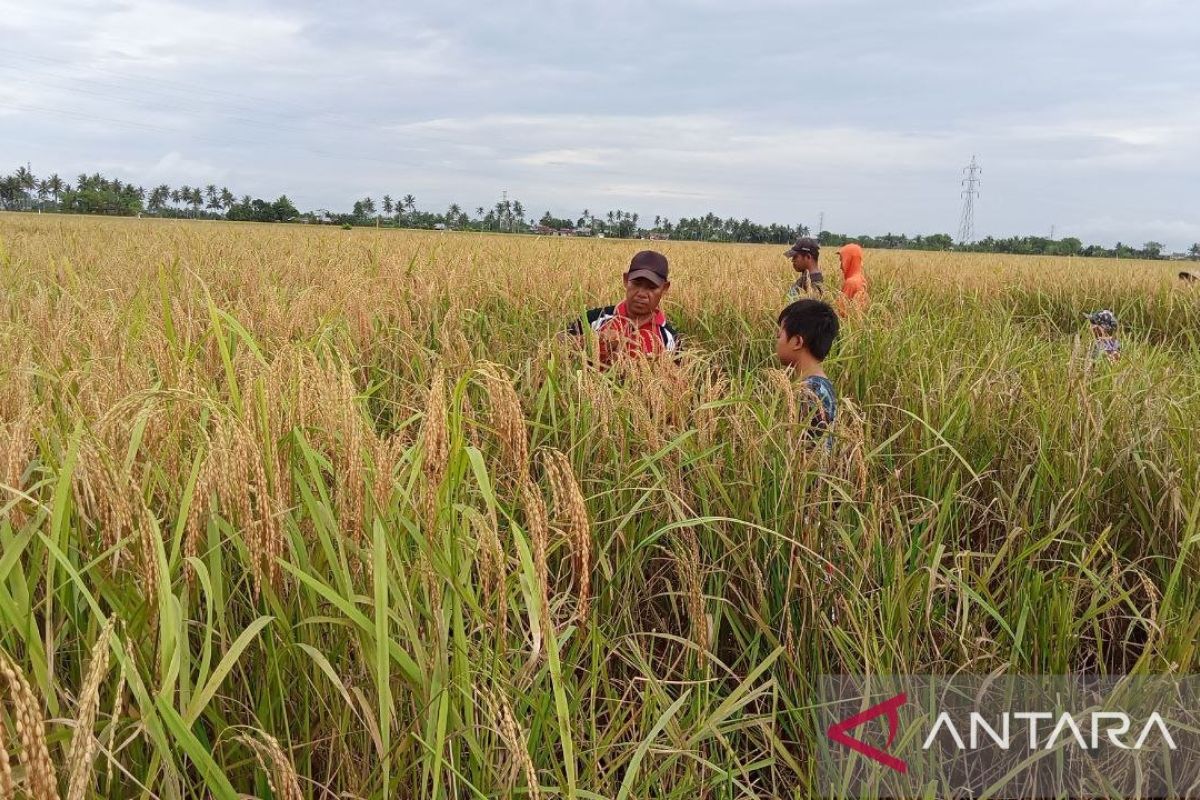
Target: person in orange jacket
[{"x": 854, "y": 282}]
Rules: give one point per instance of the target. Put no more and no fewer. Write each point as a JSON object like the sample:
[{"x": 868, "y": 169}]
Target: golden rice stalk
[
  {"x": 351, "y": 499},
  {"x": 281, "y": 774},
  {"x": 386, "y": 455},
  {"x": 569, "y": 505},
  {"x": 539, "y": 533},
  {"x": 269, "y": 539},
  {"x": 436, "y": 431},
  {"x": 149, "y": 556},
  {"x": 508, "y": 421},
  {"x": 201, "y": 507},
  {"x": 16, "y": 448},
  {"x": 493, "y": 574},
  {"x": 40, "y": 778},
  {"x": 102, "y": 497},
  {"x": 513, "y": 737},
  {"x": 114, "y": 718},
  {"x": 643, "y": 418},
  {"x": 453, "y": 346},
  {"x": 707, "y": 416},
  {"x": 781, "y": 381},
  {"x": 436, "y": 438},
  {"x": 693, "y": 579},
  {"x": 84, "y": 742},
  {"x": 6, "y": 780},
  {"x": 595, "y": 390}
]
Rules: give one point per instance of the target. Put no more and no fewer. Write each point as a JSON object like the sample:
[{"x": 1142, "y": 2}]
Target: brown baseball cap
[
  {"x": 804, "y": 245},
  {"x": 648, "y": 264}
]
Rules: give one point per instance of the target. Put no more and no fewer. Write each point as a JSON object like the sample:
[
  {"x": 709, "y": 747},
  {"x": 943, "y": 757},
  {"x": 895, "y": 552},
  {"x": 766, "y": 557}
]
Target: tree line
[{"x": 96, "y": 194}]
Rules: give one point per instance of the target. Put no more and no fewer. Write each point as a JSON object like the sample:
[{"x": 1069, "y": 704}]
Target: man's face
[
  {"x": 642, "y": 296},
  {"x": 803, "y": 262}
]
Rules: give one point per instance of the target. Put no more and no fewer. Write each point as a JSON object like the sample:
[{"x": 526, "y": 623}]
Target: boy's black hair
[{"x": 814, "y": 320}]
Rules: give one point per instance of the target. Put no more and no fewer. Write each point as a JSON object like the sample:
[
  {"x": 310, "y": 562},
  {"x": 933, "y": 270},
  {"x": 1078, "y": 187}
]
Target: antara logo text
[
  {"x": 1089, "y": 731},
  {"x": 1039, "y": 730}
]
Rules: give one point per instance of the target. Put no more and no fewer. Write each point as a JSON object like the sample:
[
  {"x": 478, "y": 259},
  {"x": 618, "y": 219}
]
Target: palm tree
[
  {"x": 26, "y": 182},
  {"x": 158, "y": 197},
  {"x": 227, "y": 199},
  {"x": 196, "y": 200},
  {"x": 410, "y": 203},
  {"x": 26, "y": 178},
  {"x": 9, "y": 189},
  {"x": 214, "y": 197},
  {"x": 452, "y": 215},
  {"x": 479, "y": 213},
  {"x": 387, "y": 205},
  {"x": 43, "y": 190},
  {"x": 56, "y": 186}
]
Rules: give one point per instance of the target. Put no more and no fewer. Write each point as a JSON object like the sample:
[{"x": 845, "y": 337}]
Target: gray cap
[
  {"x": 649, "y": 264},
  {"x": 806, "y": 245}
]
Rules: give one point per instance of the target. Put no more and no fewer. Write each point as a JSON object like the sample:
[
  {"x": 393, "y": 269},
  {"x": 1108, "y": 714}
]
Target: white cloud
[
  {"x": 575, "y": 156},
  {"x": 657, "y": 191},
  {"x": 149, "y": 34}
]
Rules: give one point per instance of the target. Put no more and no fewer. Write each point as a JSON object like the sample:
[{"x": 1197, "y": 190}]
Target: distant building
[{"x": 658, "y": 236}]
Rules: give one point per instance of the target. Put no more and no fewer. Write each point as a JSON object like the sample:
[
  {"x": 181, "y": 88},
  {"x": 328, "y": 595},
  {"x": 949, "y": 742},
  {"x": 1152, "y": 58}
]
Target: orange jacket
[{"x": 854, "y": 282}]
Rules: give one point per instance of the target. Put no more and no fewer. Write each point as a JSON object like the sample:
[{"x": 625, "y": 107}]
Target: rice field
[{"x": 300, "y": 512}]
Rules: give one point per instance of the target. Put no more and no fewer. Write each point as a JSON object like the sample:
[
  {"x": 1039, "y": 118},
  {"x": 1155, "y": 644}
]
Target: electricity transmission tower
[{"x": 966, "y": 225}]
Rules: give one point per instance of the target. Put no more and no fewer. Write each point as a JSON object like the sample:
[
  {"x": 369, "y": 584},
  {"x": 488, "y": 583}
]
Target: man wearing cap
[
  {"x": 804, "y": 254},
  {"x": 1104, "y": 330},
  {"x": 637, "y": 325}
]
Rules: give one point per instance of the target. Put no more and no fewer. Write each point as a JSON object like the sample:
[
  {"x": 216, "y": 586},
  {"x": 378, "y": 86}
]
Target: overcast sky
[{"x": 1085, "y": 115}]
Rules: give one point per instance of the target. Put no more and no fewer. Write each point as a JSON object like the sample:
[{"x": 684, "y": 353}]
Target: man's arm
[{"x": 590, "y": 319}]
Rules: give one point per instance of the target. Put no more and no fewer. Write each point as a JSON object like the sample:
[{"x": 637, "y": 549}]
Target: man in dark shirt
[
  {"x": 637, "y": 325},
  {"x": 804, "y": 255}
]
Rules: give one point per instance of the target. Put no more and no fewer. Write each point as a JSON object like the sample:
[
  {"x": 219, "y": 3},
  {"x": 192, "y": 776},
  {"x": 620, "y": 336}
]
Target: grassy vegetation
[{"x": 315, "y": 513}]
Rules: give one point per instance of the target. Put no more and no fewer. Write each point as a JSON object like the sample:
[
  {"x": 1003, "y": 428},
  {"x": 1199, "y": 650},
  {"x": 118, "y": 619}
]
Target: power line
[{"x": 966, "y": 224}]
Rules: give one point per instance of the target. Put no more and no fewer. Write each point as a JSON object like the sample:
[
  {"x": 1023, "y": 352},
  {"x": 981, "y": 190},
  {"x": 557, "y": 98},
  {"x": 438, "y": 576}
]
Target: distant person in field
[
  {"x": 637, "y": 325},
  {"x": 806, "y": 332},
  {"x": 1104, "y": 330},
  {"x": 804, "y": 255},
  {"x": 854, "y": 282}
]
